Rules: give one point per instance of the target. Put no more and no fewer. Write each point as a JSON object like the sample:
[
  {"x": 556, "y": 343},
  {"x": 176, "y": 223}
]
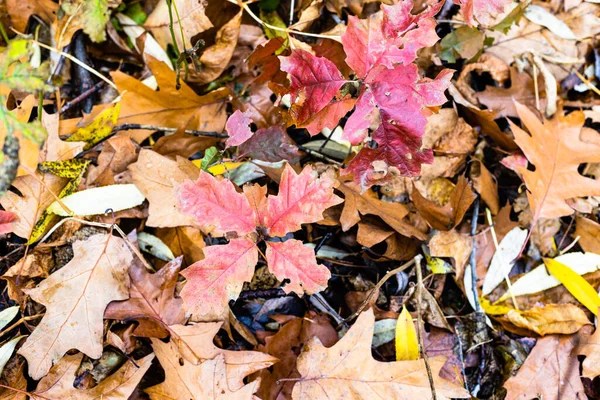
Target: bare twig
[
  {"x": 377, "y": 287},
  {"x": 81, "y": 97},
  {"x": 19, "y": 322},
  {"x": 321, "y": 156},
  {"x": 418, "y": 258},
  {"x": 128, "y": 127}
]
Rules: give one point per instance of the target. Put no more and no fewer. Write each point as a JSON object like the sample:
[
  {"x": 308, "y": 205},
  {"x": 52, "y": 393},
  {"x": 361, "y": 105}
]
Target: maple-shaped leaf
[
  {"x": 58, "y": 384},
  {"x": 195, "y": 344},
  {"x": 481, "y": 11},
  {"x": 215, "y": 204},
  {"x": 348, "y": 370},
  {"x": 184, "y": 380},
  {"x": 75, "y": 297},
  {"x": 556, "y": 148},
  {"x": 315, "y": 81},
  {"x": 294, "y": 261},
  {"x": 152, "y": 302},
  {"x": 6, "y": 220},
  {"x": 301, "y": 200},
  {"x": 550, "y": 371},
  {"x": 218, "y": 278},
  {"x": 219, "y": 205},
  {"x": 238, "y": 128},
  {"x": 390, "y": 37}
]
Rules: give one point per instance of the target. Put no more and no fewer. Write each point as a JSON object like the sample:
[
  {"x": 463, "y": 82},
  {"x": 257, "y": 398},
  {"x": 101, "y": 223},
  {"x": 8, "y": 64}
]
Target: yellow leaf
[
  {"x": 100, "y": 128},
  {"x": 219, "y": 169},
  {"x": 407, "y": 345},
  {"x": 493, "y": 309},
  {"x": 575, "y": 284},
  {"x": 437, "y": 265}
]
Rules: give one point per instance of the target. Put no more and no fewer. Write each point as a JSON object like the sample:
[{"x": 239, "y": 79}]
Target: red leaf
[
  {"x": 296, "y": 262},
  {"x": 301, "y": 200},
  {"x": 6, "y": 220},
  {"x": 217, "y": 204},
  {"x": 315, "y": 82},
  {"x": 357, "y": 124},
  {"x": 218, "y": 278},
  {"x": 271, "y": 145},
  {"x": 238, "y": 128},
  {"x": 481, "y": 11}
]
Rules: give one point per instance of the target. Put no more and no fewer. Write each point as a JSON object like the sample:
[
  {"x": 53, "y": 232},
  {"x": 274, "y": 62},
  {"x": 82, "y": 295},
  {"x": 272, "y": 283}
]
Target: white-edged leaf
[
  {"x": 384, "y": 332},
  {"x": 7, "y": 350},
  {"x": 98, "y": 200},
  {"x": 503, "y": 260},
  {"x": 329, "y": 252},
  {"x": 8, "y": 315},
  {"x": 153, "y": 245},
  {"x": 539, "y": 15},
  {"x": 539, "y": 279}
]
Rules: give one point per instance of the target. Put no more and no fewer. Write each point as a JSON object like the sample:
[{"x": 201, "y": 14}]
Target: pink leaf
[
  {"x": 238, "y": 128},
  {"x": 301, "y": 200},
  {"x": 218, "y": 278},
  {"x": 481, "y": 11},
  {"x": 272, "y": 145},
  {"x": 6, "y": 220},
  {"x": 315, "y": 82},
  {"x": 217, "y": 204},
  {"x": 296, "y": 262},
  {"x": 357, "y": 124}
]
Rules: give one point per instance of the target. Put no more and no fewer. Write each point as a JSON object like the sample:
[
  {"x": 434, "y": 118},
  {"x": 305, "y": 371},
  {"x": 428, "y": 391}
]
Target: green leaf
[
  {"x": 268, "y": 5},
  {"x": 575, "y": 284},
  {"x": 407, "y": 345},
  {"x": 273, "y": 19},
  {"x": 95, "y": 17},
  {"x": 135, "y": 11},
  {"x": 512, "y": 18},
  {"x": 16, "y": 72},
  {"x": 211, "y": 156},
  {"x": 465, "y": 42}
]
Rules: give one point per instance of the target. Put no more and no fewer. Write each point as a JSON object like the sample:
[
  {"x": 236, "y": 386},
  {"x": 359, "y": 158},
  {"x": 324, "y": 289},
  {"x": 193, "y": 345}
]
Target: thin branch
[
  {"x": 128, "y": 127},
  {"x": 81, "y": 97},
  {"x": 377, "y": 287},
  {"x": 418, "y": 258},
  {"x": 321, "y": 156}
]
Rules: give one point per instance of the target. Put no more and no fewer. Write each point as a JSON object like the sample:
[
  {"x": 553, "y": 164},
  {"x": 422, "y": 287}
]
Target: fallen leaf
[
  {"x": 348, "y": 369},
  {"x": 588, "y": 232},
  {"x": 183, "y": 241},
  {"x": 450, "y": 215},
  {"x": 452, "y": 244},
  {"x": 152, "y": 302},
  {"x": 575, "y": 284},
  {"x": 117, "y": 154},
  {"x": 20, "y": 11},
  {"x": 272, "y": 145},
  {"x": 502, "y": 262},
  {"x": 485, "y": 185},
  {"x": 58, "y": 384},
  {"x": 6, "y": 221},
  {"x": 556, "y": 150},
  {"x": 407, "y": 345},
  {"x": 76, "y": 296},
  {"x": 551, "y": 319},
  {"x": 550, "y": 358},
  {"x": 98, "y": 200},
  {"x": 481, "y": 12},
  {"x": 589, "y": 348}
]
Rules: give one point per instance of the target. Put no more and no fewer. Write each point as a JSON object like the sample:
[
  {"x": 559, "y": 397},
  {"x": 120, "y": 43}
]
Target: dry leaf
[
  {"x": 348, "y": 370},
  {"x": 550, "y": 319},
  {"x": 75, "y": 297},
  {"x": 589, "y": 348},
  {"x": 588, "y": 232}
]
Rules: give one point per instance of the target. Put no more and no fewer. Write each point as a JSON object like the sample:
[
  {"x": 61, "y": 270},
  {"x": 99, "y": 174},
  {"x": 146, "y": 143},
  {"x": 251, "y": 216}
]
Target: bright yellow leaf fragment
[
  {"x": 575, "y": 284},
  {"x": 407, "y": 345}
]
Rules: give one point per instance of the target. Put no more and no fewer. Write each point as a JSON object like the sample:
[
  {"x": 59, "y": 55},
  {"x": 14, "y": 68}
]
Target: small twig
[
  {"x": 84, "y": 95},
  {"x": 472, "y": 259},
  {"x": 19, "y": 322},
  {"x": 127, "y": 127},
  {"x": 418, "y": 258},
  {"x": 32, "y": 395},
  {"x": 262, "y": 293},
  {"x": 316, "y": 154},
  {"x": 319, "y": 301},
  {"x": 377, "y": 287}
]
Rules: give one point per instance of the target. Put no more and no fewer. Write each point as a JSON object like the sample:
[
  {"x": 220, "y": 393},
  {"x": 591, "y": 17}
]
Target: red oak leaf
[
  {"x": 481, "y": 11},
  {"x": 301, "y": 200},
  {"x": 6, "y": 220},
  {"x": 272, "y": 145},
  {"x": 315, "y": 81},
  {"x": 220, "y": 206},
  {"x": 296, "y": 262},
  {"x": 218, "y": 278},
  {"x": 238, "y": 129}
]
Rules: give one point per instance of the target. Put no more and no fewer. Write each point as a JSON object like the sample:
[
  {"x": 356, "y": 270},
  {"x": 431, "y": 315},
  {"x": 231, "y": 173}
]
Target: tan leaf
[
  {"x": 551, "y": 319},
  {"x": 591, "y": 349},
  {"x": 556, "y": 150},
  {"x": 192, "y": 21},
  {"x": 348, "y": 370},
  {"x": 54, "y": 148},
  {"x": 446, "y": 217},
  {"x": 37, "y": 193},
  {"x": 20, "y": 11},
  {"x": 184, "y": 380},
  {"x": 357, "y": 204},
  {"x": 155, "y": 176},
  {"x": 183, "y": 240},
  {"x": 58, "y": 384},
  {"x": 195, "y": 344},
  {"x": 588, "y": 232},
  {"x": 117, "y": 153},
  {"x": 485, "y": 185},
  {"x": 550, "y": 371},
  {"x": 452, "y": 244},
  {"x": 75, "y": 297}
]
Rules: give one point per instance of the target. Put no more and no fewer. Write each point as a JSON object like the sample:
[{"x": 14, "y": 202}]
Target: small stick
[
  {"x": 418, "y": 258},
  {"x": 81, "y": 97},
  {"x": 19, "y": 322},
  {"x": 322, "y": 156},
  {"x": 127, "y": 127},
  {"x": 377, "y": 287}
]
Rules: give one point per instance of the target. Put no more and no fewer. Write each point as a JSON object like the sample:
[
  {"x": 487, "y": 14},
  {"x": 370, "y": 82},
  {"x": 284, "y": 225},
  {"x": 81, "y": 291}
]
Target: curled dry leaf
[
  {"x": 75, "y": 298},
  {"x": 58, "y": 384},
  {"x": 551, "y": 319},
  {"x": 348, "y": 370}
]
